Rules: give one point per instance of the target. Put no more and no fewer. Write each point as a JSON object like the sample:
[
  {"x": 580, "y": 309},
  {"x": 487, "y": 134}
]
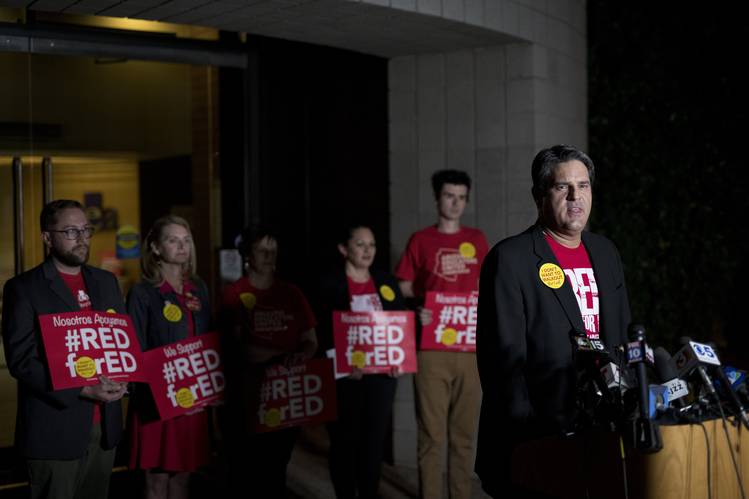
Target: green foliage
[{"x": 667, "y": 112}]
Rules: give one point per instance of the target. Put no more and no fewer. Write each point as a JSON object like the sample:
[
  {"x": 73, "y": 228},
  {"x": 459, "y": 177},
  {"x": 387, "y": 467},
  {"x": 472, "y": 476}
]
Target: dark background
[{"x": 668, "y": 107}]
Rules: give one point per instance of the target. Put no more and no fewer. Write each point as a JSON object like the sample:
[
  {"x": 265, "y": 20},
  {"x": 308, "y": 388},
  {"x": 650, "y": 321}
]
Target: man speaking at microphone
[
  {"x": 537, "y": 289},
  {"x": 67, "y": 436}
]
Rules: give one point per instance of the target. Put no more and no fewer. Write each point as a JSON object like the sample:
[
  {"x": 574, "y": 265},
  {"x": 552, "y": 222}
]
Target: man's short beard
[{"x": 69, "y": 258}]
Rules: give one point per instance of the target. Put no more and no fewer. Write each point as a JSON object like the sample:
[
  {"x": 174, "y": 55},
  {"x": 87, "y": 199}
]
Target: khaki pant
[
  {"x": 448, "y": 398},
  {"x": 83, "y": 478}
]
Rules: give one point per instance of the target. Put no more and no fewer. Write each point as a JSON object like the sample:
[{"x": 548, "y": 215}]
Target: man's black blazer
[
  {"x": 524, "y": 350},
  {"x": 52, "y": 424}
]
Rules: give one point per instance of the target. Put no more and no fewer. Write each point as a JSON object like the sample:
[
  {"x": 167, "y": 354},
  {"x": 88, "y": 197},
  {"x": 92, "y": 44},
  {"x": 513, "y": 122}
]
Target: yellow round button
[
  {"x": 185, "y": 398},
  {"x": 248, "y": 300},
  {"x": 467, "y": 250},
  {"x": 358, "y": 359},
  {"x": 387, "y": 292},
  {"x": 551, "y": 275},
  {"x": 85, "y": 367},
  {"x": 272, "y": 418},
  {"x": 449, "y": 336},
  {"x": 172, "y": 312}
]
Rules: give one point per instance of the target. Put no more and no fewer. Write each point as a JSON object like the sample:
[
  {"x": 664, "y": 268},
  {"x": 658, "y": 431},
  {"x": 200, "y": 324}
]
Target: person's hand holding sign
[
  {"x": 425, "y": 315},
  {"x": 106, "y": 391}
]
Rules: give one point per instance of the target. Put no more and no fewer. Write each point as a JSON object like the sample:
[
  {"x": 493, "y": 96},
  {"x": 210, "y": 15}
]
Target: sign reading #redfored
[
  {"x": 81, "y": 346},
  {"x": 375, "y": 342},
  {"x": 296, "y": 395},
  {"x": 186, "y": 375},
  {"x": 453, "y": 326}
]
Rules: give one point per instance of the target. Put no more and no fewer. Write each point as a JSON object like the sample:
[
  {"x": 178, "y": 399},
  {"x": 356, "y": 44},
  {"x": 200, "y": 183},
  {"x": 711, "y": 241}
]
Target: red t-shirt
[
  {"x": 363, "y": 296},
  {"x": 579, "y": 271},
  {"x": 77, "y": 287},
  {"x": 277, "y": 316},
  {"x": 435, "y": 261}
]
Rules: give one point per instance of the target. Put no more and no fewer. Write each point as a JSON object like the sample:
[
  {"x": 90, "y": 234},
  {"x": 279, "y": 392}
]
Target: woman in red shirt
[
  {"x": 170, "y": 304},
  {"x": 265, "y": 321}
]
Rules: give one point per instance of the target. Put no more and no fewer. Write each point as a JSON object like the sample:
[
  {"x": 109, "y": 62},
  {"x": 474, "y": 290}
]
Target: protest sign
[
  {"x": 374, "y": 341},
  {"x": 453, "y": 326},
  {"x": 82, "y": 345},
  {"x": 296, "y": 395},
  {"x": 186, "y": 375}
]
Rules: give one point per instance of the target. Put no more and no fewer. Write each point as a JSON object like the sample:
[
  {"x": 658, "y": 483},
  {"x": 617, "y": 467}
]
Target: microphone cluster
[{"x": 636, "y": 388}]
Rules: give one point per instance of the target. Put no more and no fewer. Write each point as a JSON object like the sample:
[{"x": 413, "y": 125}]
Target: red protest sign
[
  {"x": 186, "y": 375},
  {"x": 453, "y": 326},
  {"x": 80, "y": 346},
  {"x": 374, "y": 341},
  {"x": 296, "y": 395}
]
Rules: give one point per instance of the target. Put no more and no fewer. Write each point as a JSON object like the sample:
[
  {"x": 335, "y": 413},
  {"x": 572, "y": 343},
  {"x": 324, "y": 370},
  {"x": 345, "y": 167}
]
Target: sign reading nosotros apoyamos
[
  {"x": 453, "y": 326},
  {"x": 374, "y": 341},
  {"x": 80, "y": 346},
  {"x": 186, "y": 375},
  {"x": 296, "y": 395}
]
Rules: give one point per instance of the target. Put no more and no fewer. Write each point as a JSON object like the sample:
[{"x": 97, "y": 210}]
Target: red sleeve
[{"x": 409, "y": 262}]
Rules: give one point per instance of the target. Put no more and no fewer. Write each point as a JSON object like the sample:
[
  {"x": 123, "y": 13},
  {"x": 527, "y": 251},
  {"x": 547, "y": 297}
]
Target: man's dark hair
[
  {"x": 546, "y": 162},
  {"x": 442, "y": 177},
  {"x": 252, "y": 235},
  {"x": 48, "y": 217}
]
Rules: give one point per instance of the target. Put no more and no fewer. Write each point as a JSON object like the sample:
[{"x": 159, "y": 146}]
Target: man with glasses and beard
[{"x": 67, "y": 437}]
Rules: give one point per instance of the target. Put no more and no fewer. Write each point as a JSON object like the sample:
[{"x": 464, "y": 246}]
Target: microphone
[
  {"x": 738, "y": 407},
  {"x": 646, "y": 434},
  {"x": 667, "y": 374},
  {"x": 692, "y": 357},
  {"x": 737, "y": 378},
  {"x": 596, "y": 402}
]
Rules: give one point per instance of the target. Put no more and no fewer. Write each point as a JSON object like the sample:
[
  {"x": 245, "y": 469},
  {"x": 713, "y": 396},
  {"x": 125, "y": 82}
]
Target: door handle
[{"x": 18, "y": 213}]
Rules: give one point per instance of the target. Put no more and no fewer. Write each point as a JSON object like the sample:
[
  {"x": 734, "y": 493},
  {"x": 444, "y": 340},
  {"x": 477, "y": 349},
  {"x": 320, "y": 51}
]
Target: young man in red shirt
[{"x": 445, "y": 257}]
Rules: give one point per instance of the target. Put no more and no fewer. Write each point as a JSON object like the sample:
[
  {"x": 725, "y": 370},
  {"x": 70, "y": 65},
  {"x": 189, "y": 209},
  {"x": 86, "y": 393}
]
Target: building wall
[{"x": 487, "y": 111}]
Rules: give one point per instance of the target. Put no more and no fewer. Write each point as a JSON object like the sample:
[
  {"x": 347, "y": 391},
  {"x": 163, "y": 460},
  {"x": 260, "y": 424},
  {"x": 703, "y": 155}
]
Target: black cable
[
  {"x": 624, "y": 467},
  {"x": 730, "y": 450},
  {"x": 707, "y": 445}
]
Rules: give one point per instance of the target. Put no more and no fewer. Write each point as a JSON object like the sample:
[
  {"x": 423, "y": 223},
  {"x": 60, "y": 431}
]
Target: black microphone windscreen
[
  {"x": 636, "y": 332},
  {"x": 684, "y": 340},
  {"x": 665, "y": 368}
]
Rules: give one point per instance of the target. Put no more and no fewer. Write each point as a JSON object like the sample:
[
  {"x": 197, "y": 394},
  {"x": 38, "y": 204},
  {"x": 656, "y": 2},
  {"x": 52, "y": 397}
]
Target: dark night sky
[{"x": 667, "y": 111}]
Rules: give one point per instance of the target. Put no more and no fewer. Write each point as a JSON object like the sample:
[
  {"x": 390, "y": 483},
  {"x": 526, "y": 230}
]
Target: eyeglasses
[{"x": 72, "y": 234}]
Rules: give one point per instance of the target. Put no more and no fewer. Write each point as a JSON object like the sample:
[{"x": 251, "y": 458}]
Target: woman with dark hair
[
  {"x": 269, "y": 321},
  {"x": 170, "y": 304},
  {"x": 365, "y": 401}
]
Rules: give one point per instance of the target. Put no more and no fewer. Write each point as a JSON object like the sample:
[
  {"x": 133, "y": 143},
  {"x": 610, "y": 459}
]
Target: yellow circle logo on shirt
[
  {"x": 358, "y": 359},
  {"x": 248, "y": 300},
  {"x": 467, "y": 250},
  {"x": 172, "y": 312},
  {"x": 387, "y": 292},
  {"x": 449, "y": 336},
  {"x": 111, "y": 311},
  {"x": 185, "y": 399},
  {"x": 272, "y": 418},
  {"x": 551, "y": 275},
  {"x": 85, "y": 367}
]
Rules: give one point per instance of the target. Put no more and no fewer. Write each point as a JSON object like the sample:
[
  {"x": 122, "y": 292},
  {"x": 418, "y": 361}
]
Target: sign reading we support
[
  {"x": 453, "y": 326},
  {"x": 296, "y": 395},
  {"x": 374, "y": 342},
  {"x": 185, "y": 376},
  {"x": 80, "y": 346}
]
